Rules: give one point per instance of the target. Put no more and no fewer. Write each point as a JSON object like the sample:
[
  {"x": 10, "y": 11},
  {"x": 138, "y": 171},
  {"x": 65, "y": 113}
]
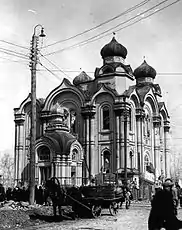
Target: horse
[
  {"x": 74, "y": 198},
  {"x": 125, "y": 196},
  {"x": 56, "y": 193}
]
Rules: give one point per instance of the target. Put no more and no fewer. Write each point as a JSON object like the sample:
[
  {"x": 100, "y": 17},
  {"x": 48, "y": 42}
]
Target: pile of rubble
[
  {"x": 13, "y": 205},
  {"x": 18, "y": 214}
]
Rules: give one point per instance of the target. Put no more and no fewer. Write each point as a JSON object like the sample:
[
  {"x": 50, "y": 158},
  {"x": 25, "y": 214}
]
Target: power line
[
  {"x": 11, "y": 43},
  {"x": 87, "y": 41},
  {"x": 15, "y": 52},
  {"x": 101, "y": 24},
  {"x": 55, "y": 66},
  {"x": 50, "y": 71},
  {"x": 67, "y": 71},
  {"x": 12, "y": 54}
]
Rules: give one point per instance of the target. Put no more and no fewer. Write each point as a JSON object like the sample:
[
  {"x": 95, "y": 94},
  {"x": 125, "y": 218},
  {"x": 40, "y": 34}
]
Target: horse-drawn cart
[
  {"x": 103, "y": 197},
  {"x": 86, "y": 200}
]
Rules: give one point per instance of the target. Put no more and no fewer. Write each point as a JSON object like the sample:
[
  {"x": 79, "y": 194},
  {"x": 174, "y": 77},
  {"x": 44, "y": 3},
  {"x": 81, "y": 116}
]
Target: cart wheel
[
  {"x": 96, "y": 210},
  {"x": 113, "y": 208}
]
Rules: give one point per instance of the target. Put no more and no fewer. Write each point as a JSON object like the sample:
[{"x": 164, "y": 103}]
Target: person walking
[
  {"x": 162, "y": 214},
  {"x": 175, "y": 197}
]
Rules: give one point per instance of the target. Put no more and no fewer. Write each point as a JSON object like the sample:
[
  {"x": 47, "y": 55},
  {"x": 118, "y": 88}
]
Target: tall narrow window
[
  {"x": 106, "y": 118},
  {"x": 107, "y": 161},
  {"x": 130, "y": 120},
  {"x": 146, "y": 162},
  {"x": 73, "y": 121}
]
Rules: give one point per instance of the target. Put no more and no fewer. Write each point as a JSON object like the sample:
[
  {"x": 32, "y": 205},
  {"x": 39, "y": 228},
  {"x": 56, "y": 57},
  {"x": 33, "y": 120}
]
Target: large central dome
[{"x": 113, "y": 48}]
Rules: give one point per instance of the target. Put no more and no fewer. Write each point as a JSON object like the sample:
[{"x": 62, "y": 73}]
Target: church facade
[{"x": 115, "y": 123}]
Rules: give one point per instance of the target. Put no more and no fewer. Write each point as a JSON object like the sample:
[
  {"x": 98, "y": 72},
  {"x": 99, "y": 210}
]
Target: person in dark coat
[
  {"x": 162, "y": 214},
  {"x": 9, "y": 195},
  {"x": 2, "y": 193}
]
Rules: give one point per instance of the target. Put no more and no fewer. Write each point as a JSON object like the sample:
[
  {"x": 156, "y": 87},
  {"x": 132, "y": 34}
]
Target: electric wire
[
  {"x": 55, "y": 65},
  {"x": 50, "y": 71},
  {"x": 12, "y": 51},
  {"x": 97, "y": 37},
  {"x": 15, "y": 55},
  {"x": 101, "y": 24},
  {"x": 11, "y": 43}
]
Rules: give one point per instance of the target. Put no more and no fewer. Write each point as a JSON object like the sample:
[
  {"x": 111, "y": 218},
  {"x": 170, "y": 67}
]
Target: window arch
[
  {"x": 73, "y": 121},
  {"x": 108, "y": 69},
  {"x": 43, "y": 153},
  {"x": 74, "y": 155},
  {"x": 106, "y": 117},
  {"x": 130, "y": 120},
  {"x": 146, "y": 162},
  {"x": 107, "y": 161}
]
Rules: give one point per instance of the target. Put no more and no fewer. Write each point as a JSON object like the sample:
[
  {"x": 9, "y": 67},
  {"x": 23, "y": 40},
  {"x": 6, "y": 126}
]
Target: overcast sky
[{"x": 158, "y": 38}]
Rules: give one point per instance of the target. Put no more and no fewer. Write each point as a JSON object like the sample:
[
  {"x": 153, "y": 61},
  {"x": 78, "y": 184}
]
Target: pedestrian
[
  {"x": 2, "y": 193},
  {"x": 175, "y": 197},
  {"x": 162, "y": 214},
  {"x": 180, "y": 197},
  {"x": 9, "y": 195}
]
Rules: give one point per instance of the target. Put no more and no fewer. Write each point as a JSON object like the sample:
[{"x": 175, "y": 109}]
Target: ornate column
[
  {"x": 57, "y": 167},
  {"x": 79, "y": 173},
  {"x": 16, "y": 156},
  {"x": 118, "y": 138},
  {"x": 68, "y": 170},
  {"x": 156, "y": 126},
  {"x": 19, "y": 146},
  {"x": 166, "y": 148},
  {"x": 140, "y": 114},
  {"x": 88, "y": 113},
  {"x": 122, "y": 114},
  {"x": 62, "y": 169}
]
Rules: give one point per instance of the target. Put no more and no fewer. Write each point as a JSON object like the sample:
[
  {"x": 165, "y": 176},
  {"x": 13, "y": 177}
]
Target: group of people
[
  {"x": 164, "y": 204},
  {"x": 22, "y": 194}
]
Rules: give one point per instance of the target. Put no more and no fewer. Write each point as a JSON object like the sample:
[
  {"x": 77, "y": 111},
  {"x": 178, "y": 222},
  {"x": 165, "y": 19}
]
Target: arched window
[
  {"x": 131, "y": 159},
  {"x": 73, "y": 121},
  {"x": 130, "y": 120},
  {"x": 107, "y": 69},
  {"x": 44, "y": 153},
  {"x": 106, "y": 117},
  {"x": 107, "y": 163},
  {"x": 74, "y": 154},
  {"x": 147, "y": 124},
  {"x": 146, "y": 162}
]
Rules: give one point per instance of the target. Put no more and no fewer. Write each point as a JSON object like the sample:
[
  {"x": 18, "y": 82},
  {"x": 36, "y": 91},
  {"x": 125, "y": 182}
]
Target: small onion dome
[
  {"x": 82, "y": 77},
  {"x": 145, "y": 70},
  {"x": 57, "y": 109},
  {"x": 113, "y": 48}
]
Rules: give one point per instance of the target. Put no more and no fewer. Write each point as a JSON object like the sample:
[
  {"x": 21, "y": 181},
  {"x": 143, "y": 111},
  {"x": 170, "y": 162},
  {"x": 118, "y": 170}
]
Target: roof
[{"x": 61, "y": 141}]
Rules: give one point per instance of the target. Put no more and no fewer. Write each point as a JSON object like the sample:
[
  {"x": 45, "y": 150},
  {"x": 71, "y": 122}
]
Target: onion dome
[
  {"x": 145, "y": 70},
  {"x": 81, "y": 78},
  {"x": 113, "y": 49}
]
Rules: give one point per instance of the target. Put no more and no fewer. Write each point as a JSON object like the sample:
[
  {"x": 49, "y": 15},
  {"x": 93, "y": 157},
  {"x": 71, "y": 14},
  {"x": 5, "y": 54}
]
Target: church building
[{"x": 113, "y": 123}]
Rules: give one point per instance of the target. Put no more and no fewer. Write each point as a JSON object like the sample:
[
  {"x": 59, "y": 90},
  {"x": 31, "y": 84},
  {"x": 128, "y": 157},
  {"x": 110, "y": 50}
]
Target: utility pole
[{"x": 33, "y": 65}]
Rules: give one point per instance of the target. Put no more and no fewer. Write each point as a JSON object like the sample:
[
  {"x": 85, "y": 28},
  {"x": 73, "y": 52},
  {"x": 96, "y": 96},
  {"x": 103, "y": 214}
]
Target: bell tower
[{"x": 114, "y": 72}]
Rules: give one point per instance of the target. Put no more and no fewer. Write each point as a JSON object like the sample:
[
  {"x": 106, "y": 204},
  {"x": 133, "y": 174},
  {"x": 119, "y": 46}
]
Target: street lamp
[{"x": 33, "y": 64}]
